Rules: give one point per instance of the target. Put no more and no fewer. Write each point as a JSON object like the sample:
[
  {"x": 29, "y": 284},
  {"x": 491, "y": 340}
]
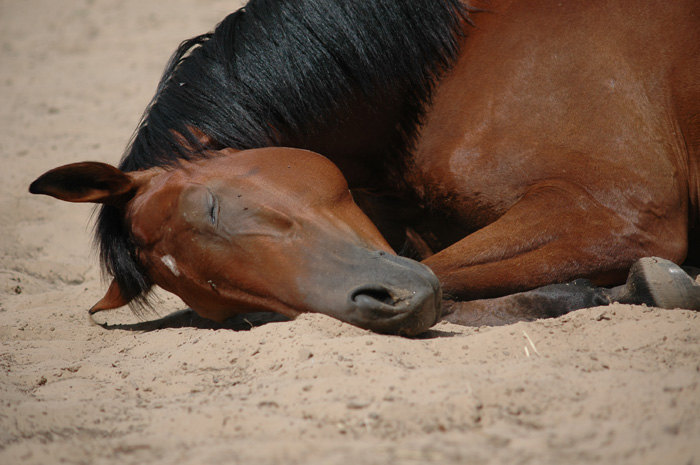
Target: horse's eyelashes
[{"x": 213, "y": 206}]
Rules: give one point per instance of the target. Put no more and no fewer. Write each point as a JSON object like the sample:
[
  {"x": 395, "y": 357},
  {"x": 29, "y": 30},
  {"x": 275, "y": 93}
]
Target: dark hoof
[{"x": 661, "y": 283}]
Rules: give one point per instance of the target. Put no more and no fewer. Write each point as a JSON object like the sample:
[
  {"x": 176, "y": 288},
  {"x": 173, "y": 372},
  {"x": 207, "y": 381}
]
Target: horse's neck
[
  {"x": 363, "y": 141},
  {"x": 372, "y": 155}
]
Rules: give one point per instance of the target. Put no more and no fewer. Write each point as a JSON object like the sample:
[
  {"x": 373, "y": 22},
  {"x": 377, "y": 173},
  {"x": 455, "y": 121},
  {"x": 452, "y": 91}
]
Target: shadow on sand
[
  {"x": 244, "y": 322},
  {"x": 189, "y": 319}
]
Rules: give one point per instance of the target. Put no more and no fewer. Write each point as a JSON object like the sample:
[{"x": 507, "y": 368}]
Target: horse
[{"x": 521, "y": 157}]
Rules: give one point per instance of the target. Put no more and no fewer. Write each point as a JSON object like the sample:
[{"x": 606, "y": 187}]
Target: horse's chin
[{"x": 368, "y": 288}]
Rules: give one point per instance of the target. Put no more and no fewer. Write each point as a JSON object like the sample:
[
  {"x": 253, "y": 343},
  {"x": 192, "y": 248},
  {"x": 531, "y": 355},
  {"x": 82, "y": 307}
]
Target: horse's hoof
[{"x": 661, "y": 283}]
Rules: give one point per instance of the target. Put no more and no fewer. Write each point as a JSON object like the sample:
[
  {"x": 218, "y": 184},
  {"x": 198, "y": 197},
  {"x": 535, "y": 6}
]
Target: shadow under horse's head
[{"x": 271, "y": 229}]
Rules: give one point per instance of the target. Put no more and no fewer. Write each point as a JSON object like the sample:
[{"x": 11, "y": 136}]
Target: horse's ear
[
  {"x": 112, "y": 299},
  {"x": 84, "y": 182}
]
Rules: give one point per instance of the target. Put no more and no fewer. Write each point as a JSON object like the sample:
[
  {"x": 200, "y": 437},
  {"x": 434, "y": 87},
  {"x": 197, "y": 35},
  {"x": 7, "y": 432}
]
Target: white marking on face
[{"x": 169, "y": 261}]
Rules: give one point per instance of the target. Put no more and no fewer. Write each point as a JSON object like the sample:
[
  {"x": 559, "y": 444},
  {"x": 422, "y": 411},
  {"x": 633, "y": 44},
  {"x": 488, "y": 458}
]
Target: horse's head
[{"x": 266, "y": 229}]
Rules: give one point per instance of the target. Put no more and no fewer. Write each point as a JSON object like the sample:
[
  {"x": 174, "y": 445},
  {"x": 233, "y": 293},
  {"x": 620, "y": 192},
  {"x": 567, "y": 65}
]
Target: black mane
[{"x": 270, "y": 74}]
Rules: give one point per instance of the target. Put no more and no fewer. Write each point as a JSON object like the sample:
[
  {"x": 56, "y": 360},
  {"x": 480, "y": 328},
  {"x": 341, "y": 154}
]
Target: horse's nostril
[{"x": 375, "y": 293}]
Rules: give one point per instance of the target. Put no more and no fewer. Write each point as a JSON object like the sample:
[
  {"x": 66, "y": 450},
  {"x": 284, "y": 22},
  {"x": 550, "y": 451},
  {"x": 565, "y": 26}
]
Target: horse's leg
[
  {"x": 557, "y": 232},
  {"x": 545, "y": 302},
  {"x": 651, "y": 281}
]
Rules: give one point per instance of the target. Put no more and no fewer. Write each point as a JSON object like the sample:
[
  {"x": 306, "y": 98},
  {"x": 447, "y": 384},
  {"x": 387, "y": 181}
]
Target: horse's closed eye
[{"x": 213, "y": 208}]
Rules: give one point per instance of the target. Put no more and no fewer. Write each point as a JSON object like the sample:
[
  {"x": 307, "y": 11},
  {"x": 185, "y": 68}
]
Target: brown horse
[{"x": 552, "y": 141}]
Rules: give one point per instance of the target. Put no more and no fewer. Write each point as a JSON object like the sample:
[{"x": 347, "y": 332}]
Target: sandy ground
[{"x": 604, "y": 385}]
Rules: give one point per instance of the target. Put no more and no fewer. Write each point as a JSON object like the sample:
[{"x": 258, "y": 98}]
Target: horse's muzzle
[{"x": 395, "y": 295}]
